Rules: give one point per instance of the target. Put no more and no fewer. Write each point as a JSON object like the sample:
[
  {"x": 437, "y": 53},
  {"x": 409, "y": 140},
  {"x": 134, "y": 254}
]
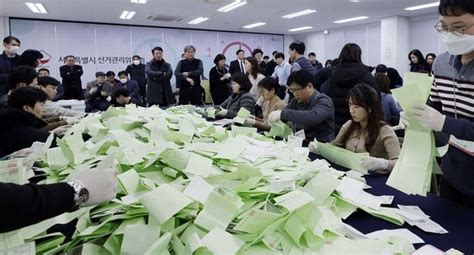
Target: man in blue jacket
[
  {"x": 8, "y": 60},
  {"x": 450, "y": 110}
]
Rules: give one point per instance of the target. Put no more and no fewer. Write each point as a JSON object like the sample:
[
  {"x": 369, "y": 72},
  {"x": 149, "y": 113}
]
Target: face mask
[
  {"x": 458, "y": 45},
  {"x": 123, "y": 80},
  {"x": 13, "y": 49},
  {"x": 136, "y": 62}
]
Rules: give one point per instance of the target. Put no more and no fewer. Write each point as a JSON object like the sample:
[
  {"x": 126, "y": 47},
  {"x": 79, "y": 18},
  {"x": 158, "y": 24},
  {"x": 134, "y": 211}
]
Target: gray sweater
[
  {"x": 233, "y": 104},
  {"x": 316, "y": 117}
]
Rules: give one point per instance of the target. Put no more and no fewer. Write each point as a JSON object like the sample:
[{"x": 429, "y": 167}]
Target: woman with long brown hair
[
  {"x": 367, "y": 132},
  {"x": 252, "y": 69}
]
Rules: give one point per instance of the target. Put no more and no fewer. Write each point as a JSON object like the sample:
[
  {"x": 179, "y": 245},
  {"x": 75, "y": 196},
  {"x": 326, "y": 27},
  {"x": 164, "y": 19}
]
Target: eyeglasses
[
  {"x": 295, "y": 90},
  {"x": 458, "y": 30}
]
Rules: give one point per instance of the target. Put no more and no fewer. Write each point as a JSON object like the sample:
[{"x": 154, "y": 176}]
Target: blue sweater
[{"x": 390, "y": 108}]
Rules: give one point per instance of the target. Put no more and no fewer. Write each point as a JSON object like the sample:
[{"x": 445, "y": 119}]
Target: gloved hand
[
  {"x": 70, "y": 120},
  {"x": 403, "y": 122},
  {"x": 372, "y": 164},
  {"x": 101, "y": 184},
  {"x": 222, "y": 113},
  {"x": 274, "y": 116},
  {"x": 313, "y": 147},
  {"x": 249, "y": 122},
  {"x": 429, "y": 117}
]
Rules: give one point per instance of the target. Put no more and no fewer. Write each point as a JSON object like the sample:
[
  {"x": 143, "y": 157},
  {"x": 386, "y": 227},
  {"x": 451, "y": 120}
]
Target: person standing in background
[
  {"x": 281, "y": 74},
  {"x": 219, "y": 79},
  {"x": 189, "y": 71},
  {"x": 417, "y": 61},
  {"x": 430, "y": 58},
  {"x": 238, "y": 64},
  {"x": 71, "y": 74},
  {"x": 44, "y": 72},
  {"x": 252, "y": 69},
  {"x": 136, "y": 71},
  {"x": 271, "y": 65},
  {"x": 258, "y": 55},
  {"x": 314, "y": 62},
  {"x": 159, "y": 74},
  {"x": 8, "y": 60}
]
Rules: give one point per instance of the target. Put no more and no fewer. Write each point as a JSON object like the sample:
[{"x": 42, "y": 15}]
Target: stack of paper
[{"x": 342, "y": 157}]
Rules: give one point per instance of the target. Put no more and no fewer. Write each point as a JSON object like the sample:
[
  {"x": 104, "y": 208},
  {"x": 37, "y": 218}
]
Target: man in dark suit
[
  {"x": 271, "y": 65},
  {"x": 8, "y": 60},
  {"x": 238, "y": 65},
  {"x": 71, "y": 74}
]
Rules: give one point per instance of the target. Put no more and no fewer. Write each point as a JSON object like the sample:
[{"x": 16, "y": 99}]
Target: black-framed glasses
[{"x": 457, "y": 30}]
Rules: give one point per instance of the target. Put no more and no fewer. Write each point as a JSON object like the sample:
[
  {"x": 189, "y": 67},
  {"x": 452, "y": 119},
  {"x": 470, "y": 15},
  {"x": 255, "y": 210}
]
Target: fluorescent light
[
  {"x": 198, "y": 20},
  {"x": 299, "y": 29},
  {"x": 297, "y": 14},
  {"x": 139, "y": 1},
  {"x": 36, "y": 7},
  {"x": 423, "y": 6},
  {"x": 351, "y": 19},
  {"x": 255, "y": 25},
  {"x": 127, "y": 14},
  {"x": 231, "y": 6}
]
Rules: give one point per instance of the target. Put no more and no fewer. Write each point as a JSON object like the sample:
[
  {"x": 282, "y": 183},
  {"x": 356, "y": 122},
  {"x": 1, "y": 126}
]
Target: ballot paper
[
  {"x": 412, "y": 172},
  {"x": 342, "y": 157},
  {"x": 198, "y": 189},
  {"x": 219, "y": 241},
  {"x": 402, "y": 232},
  {"x": 294, "y": 200},
  {"x": 23, "y": 249},
  {"x": 12, "y": 171},
  {"x": 242, "y": 115},
  {"x": 414, "y": 216}
]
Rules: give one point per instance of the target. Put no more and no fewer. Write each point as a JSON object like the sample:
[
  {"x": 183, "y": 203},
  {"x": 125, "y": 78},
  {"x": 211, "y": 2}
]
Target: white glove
[
  {"x": 101, "y": 184},
  {"x": 274, "y": 116},
  {"x": 403, "y": 122},
  {"x": 222, "y": 113},
  {"x": 429, "y": 117},
  {"x": 371, "y": 163},
  {"x": 249, "y": 122},
  {"x": 313, "y": 147},
  {"x": 70, "y": 120}
]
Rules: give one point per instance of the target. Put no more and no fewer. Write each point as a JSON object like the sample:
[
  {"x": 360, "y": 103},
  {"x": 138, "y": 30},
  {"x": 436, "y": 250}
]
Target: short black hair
[
  {"x": 98, "y": 74},
  {"x": 122, "y": 72},
  {"x": 136, "y": 56},
  {"x": 120, "y": 91},
  {"x": 256, "y": 51},
  {"x": 351, "y": 53},
  {"x": 69, "y": 56},
  {"x": 243, "y": 80},
  {"x": 26, "y": 96},
  {"x": 157, "y": 48},
  {"x": 47, "y": 80},
  {"x": 239, "y": 51},
  {"x": 43, "y": 69},
  {"x": 298, "y": 46},
  {"x": 266, "y": 57},
  {"x": 311, "y": 54},
  {"x": 30, "y": 58},
  {"x": 21, "y": 74},
  {"x": 269, "y": 83},
  {"x": 280, "y": 55},
  {"x": 218, "y": 58},
  {"x": 10, "y": 38},
  {"x": 456, "y": 7},
  {"x": 110, "y": 73},
  {"x": 274, "y": 52},
  {"x": 381, "y": 68},
  {"x": 302, "y": 78}
]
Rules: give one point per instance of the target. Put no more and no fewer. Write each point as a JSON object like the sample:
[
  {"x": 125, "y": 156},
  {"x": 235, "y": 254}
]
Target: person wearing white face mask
[
  {"x": 8, "y": 60},
  {"x": 131, "y": 86},
  {"x": 136, "y": 70},
  {"x": 450, "y": 109}
]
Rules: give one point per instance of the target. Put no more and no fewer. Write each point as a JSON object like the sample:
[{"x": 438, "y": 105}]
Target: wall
[
  {"x": 110, "y": 47},
  {"x": 422, "y": 35},
  {"x": 4, "y": 27}
]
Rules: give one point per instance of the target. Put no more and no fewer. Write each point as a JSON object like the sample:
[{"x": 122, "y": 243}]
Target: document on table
[
  {"x": 294, "y": 200},
  {"x": 242, "y": 115},
  {"x": 385, "y": 234},
  {"x": 219, "y": 241},
  {"x": 414, "y": 216},
  {"x": 164, "y": 202},
  {"x": 199, "y": 166},
  {"x": 12, "y": 171},
  {"x": 342, "y": 157},
  {"x": 198, "y": 189}
]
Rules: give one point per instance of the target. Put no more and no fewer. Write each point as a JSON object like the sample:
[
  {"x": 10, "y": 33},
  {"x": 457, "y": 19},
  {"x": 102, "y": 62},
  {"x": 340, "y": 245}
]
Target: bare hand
[{"x": 190, "y": 81}]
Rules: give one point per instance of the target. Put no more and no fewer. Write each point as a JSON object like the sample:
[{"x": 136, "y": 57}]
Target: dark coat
[
  {"x": 137, "y": 73},
  {"x": 133, "y": 90},
  {"x": 343, "y": 78},
  {"x": 220, "y": 89},
  {"x": 72, "y": 82},
  {"x": 159, "y": 86},
  {"x": 5, "y": 66},
  {"x": 235, "y": 67},
  {"x": 19, "y": 129}
]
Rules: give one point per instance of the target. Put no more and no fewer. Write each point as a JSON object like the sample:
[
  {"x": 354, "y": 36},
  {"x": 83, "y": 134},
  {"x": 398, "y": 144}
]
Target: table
[
  {"x": 457, "y": 219},
  {"x": 73, "y": 104}
]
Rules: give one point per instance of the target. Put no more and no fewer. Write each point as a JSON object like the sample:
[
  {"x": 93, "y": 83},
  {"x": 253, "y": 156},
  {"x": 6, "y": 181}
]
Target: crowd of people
[{"x": 344, "y": 102}]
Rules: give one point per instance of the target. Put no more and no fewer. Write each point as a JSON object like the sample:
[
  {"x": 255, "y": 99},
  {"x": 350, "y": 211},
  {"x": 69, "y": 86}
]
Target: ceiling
[{"x": 268, "y": 11}]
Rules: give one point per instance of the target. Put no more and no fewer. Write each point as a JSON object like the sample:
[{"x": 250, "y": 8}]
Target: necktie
[{"x": 241, "y": 66}]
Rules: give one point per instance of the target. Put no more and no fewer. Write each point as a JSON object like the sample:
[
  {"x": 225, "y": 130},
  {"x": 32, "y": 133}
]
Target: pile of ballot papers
[{"x": 187, "y": 186}]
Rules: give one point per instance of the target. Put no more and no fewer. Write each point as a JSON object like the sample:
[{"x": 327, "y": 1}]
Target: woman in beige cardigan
[
  {"x": 268, "y": 88},
  {"x": 366, "y": 131}
]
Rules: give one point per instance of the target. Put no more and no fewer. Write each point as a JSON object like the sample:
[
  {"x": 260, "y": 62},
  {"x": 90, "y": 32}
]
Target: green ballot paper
[
  {"x": 412, "y": 172},
  {"x": 342, "y": 157}
]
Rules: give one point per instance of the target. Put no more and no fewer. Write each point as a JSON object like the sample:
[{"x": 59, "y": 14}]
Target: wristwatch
[{"x": 81, "y": 194}]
